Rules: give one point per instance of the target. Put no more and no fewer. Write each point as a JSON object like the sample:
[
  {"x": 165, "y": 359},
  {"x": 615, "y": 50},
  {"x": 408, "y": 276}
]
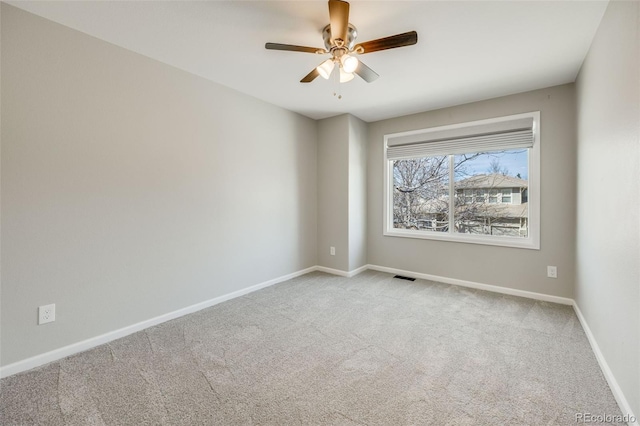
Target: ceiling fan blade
[
  {"x": 366, "y": 73},
  {"x": 292, "y": 48},
  {"x": 398, "y": 40},
  {"x": 339, "y": 19},
  {"x": 311, "y": 76}
]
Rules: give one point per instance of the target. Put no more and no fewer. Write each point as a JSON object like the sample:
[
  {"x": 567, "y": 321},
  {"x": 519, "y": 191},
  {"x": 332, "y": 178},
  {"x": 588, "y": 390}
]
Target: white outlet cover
[{"x": 46, "y": 313}]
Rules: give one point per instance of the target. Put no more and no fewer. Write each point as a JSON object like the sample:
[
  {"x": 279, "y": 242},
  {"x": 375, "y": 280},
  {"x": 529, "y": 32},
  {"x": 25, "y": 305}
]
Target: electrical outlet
[
  {"x": 552, "y": 272},
  {"x": 332, "y": 251},
  {"x": 46, "y": 313}
]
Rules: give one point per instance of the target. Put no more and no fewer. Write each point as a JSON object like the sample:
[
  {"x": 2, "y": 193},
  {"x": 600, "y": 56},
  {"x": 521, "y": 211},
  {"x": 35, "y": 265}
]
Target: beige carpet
[{"x": 320, "y": 349}]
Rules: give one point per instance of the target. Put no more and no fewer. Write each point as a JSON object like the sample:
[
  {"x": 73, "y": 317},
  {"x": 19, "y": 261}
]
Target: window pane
[
  {"x": 421, "y": 194},
  {"x": 493, "y": 196},
  {"x": 468, "y": 196},
  {"x": 506, "y": 196},
  {"x": 500, "y": 182}
]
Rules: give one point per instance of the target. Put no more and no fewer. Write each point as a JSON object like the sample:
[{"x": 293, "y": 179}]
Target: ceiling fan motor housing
[
  {"x": 352, "y": 33},
  {"x": 339, "y": 38}
]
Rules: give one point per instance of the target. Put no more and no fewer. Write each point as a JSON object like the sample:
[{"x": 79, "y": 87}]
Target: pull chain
[{"x": 336, "y": 82}]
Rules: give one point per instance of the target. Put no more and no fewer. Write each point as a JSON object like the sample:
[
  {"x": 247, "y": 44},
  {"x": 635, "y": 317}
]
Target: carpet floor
[{"x": 321, "y": 349}]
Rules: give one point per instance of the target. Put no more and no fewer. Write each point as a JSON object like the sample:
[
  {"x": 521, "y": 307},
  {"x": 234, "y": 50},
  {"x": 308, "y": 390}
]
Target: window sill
[{"x": 512, "y": 242}]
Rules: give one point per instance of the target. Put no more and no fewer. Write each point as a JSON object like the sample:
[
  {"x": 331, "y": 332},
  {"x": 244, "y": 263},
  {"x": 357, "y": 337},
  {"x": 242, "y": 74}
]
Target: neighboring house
[{"x": 491, "y": 204}]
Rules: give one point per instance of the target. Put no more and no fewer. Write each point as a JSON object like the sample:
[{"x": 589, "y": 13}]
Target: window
[
  {"x": 474, "y": 182},
  {"x": 468, "y": 196},
  {"x": 493, "y": 196},
  {"x": 506, "y": 194}
]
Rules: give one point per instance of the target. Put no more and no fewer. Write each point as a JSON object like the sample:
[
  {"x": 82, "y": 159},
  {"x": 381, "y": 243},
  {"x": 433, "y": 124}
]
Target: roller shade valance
[{"x": 494, "y": 136}]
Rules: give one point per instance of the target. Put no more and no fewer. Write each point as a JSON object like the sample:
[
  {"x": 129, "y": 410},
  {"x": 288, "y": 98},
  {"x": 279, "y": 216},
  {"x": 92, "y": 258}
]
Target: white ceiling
[{"x": 467, "y": 50}]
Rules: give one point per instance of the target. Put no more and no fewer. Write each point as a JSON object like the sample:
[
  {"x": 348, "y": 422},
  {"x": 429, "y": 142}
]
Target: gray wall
[
  {"x": 342, "y": 192},
  {"x": 333, "y": 192},
  {"x": 131, "y": 189},
  {"x": 357, "y": 193},
  {"x": 608, "y": 223},
  {"x": 508, "y": 267}
]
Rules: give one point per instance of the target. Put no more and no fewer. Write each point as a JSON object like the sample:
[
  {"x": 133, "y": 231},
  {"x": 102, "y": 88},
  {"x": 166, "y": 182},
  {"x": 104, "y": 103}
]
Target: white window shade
[{"x": 494, "y": 136}]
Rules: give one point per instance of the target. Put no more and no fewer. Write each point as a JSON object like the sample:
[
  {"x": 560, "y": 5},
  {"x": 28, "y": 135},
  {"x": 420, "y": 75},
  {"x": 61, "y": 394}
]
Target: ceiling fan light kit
[
  {"x": 325, "y": 68},
  {"x": 345, "y": 76},
  {"x": 340, "y": 42},
  {"x": 349, "y": 63}
]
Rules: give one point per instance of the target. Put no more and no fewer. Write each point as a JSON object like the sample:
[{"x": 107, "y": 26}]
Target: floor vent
[{"x": 401, "y": 277}]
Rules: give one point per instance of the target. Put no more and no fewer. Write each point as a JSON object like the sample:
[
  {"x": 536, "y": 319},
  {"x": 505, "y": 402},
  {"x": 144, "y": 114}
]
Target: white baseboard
[
  {"x": 84, "y": 345},
  {"x": 332, "y": 271},
  {"x": 57, "y": 354},
  {"x": 342, "y": 273},
  {"x": 479, "y": 286},
  {"x": 625, "y": 408}
]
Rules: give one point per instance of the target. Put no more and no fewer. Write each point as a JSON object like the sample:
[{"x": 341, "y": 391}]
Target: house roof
[
  {"x": 493, "y": 180},
  {"x": 510, "y": 211}
]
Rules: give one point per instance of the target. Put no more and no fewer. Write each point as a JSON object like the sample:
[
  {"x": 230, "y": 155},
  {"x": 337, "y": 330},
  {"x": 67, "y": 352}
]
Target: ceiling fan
[{"x": 340, "y": 42}]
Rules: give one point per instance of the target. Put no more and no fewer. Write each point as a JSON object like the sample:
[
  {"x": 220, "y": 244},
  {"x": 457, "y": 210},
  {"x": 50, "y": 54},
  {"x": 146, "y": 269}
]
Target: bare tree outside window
[
  {"x": 420, "y": 189},
  {"x": 488, "y": 199},
  {"x": 495, "y": 167}
]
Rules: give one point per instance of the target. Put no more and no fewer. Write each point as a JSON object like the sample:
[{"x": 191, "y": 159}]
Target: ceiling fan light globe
[
  {"x": 349, "y": 63},
  {"x": 325, "y": 68},
  {"x": 345, "y": 76}
]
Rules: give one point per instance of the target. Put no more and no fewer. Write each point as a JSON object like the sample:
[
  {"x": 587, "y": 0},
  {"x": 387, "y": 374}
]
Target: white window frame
[{"x": 532, "y": 241}]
